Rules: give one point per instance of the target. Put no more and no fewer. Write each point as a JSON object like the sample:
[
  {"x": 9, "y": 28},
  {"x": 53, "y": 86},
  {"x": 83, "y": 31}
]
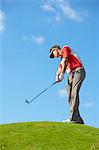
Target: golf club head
[{"x": 27, "y": 101}]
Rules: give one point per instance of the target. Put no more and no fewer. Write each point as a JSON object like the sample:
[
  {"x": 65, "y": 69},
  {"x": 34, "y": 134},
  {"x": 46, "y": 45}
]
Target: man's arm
[{"x": 61, "y": 69}]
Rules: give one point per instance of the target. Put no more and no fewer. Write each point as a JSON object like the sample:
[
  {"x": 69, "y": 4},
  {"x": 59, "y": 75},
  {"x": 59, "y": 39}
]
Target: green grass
[{"x": 48, "y": 136}]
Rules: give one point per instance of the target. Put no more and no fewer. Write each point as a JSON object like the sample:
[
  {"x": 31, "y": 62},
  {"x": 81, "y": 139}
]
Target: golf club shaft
[{"x": 42, "y": 92}]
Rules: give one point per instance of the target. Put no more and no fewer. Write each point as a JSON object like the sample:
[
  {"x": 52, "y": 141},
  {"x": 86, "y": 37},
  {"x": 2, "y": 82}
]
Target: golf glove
[{"x": 61, "y": 76}]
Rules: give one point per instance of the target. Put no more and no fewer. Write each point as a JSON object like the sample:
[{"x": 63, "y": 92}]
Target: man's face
[{"x": 56, "y": 52}]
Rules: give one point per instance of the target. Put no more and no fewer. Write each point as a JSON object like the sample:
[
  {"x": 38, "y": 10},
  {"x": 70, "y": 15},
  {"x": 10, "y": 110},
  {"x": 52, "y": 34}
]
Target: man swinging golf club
[{"x": 76, "y": 75}]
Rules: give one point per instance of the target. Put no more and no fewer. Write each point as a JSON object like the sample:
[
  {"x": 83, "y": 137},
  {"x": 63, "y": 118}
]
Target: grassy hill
[{"x": 48, "y": 136}]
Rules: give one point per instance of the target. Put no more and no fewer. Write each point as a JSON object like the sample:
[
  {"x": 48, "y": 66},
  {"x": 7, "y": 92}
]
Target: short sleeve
[{"x": 66, "y": 51}]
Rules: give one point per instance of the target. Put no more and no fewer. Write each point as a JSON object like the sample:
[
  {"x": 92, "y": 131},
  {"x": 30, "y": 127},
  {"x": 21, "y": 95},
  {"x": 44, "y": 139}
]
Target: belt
[{"x": 76, "y": 70}]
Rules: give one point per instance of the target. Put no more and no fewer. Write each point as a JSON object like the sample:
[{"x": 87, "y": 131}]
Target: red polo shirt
[{"x": 72, "y": 61}]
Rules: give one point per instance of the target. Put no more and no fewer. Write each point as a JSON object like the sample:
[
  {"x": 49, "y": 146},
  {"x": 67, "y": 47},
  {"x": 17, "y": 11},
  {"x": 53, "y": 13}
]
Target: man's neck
[{"x": 60, "y": 52}]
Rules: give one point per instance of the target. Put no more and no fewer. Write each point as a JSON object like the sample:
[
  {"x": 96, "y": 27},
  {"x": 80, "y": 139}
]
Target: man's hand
[{"x": 59, "y": 77}]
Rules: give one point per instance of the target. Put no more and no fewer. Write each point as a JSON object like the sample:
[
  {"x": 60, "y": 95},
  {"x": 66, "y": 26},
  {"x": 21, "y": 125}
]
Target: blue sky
[{"x": 27, "y": 30}]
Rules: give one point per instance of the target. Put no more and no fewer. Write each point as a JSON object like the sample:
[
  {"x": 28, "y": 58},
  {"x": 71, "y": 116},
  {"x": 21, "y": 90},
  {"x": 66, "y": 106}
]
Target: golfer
[{"x": 76, "y": 75}]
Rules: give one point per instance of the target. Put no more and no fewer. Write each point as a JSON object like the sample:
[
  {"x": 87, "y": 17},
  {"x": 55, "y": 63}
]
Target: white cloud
[
  {"x": 69, "y": 12},
  {"x": 2, "y": 20},
  {"x": 62, "y": 93},
  {"x": 38, "y": 39},
  {"x": 47, "y": 7},
  {"x": 89, "y": 104},
  {"x": 62, "y": 9},
  {"x": 34, "y": 39}
]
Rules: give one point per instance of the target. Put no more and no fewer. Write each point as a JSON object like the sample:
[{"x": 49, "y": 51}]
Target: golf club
[{"x": 39, "y": 93}]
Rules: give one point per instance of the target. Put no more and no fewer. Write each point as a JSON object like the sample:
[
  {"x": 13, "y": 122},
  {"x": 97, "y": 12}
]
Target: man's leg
[
  {"x": 74, "y": 105},
  {"x": 69, "y": 90}
]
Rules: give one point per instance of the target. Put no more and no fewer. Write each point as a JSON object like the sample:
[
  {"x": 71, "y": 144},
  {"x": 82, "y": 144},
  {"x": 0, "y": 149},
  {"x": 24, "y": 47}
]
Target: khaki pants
[{"x": 73, "y": 86}]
